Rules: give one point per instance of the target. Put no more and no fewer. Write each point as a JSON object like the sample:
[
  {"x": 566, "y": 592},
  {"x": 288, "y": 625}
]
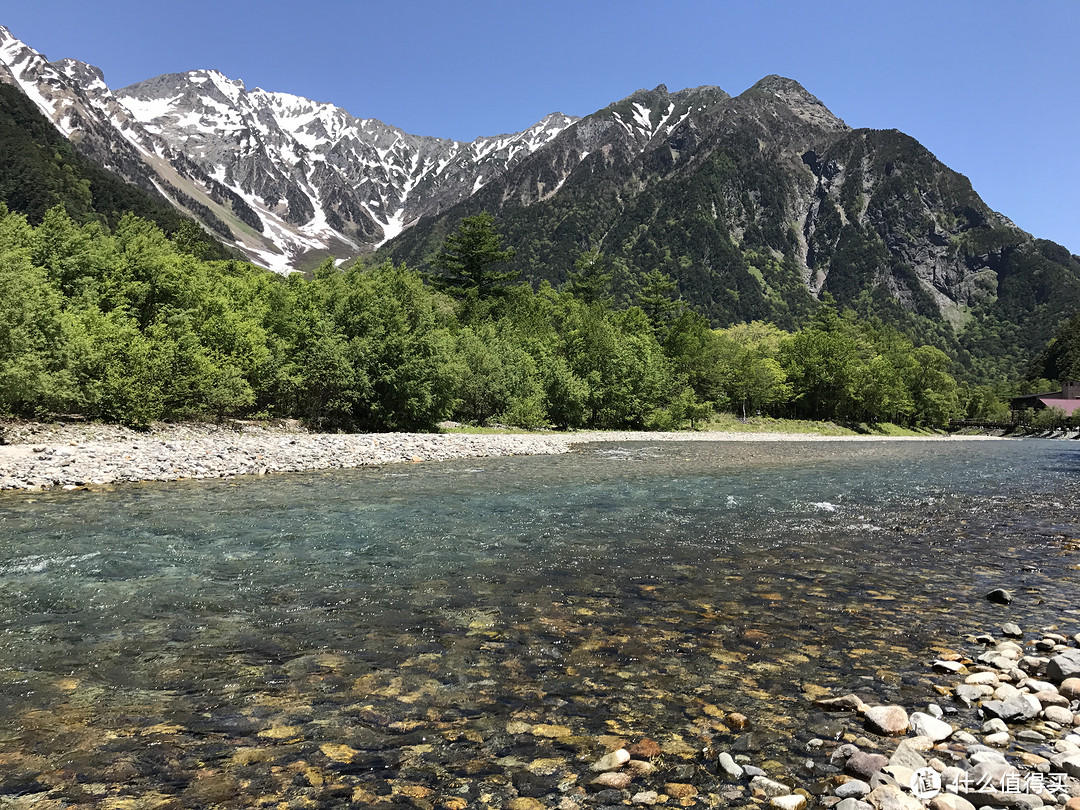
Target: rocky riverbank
[
  {"x": 72, "y": 455},
  {"x": 1006, "y": 736}
]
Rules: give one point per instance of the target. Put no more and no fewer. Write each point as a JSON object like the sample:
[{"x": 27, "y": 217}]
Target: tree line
[{"x": 127, "y": 324}]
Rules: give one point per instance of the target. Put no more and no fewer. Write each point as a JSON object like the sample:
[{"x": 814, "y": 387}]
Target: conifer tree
[{"x": 469, "y": 258}]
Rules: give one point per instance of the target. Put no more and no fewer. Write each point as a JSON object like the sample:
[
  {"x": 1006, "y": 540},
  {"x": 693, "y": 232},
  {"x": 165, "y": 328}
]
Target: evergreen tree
[{"x": 469, "y": 260}]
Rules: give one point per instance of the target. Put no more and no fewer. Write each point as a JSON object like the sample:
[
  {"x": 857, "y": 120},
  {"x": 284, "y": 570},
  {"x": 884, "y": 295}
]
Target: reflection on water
[{"x": 430, "y": 633}]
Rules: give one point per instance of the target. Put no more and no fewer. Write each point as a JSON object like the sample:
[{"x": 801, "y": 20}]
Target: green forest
[{"x": 125, "y": 323}]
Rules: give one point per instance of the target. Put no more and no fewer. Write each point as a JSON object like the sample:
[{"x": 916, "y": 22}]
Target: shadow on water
[{"x": 448, "y": 631}]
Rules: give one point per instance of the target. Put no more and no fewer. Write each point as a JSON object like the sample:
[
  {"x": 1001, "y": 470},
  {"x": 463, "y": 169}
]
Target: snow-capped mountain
[{"x": 281, "y": 177}]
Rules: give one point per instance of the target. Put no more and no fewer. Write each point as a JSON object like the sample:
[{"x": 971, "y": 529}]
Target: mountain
[
  {"x": 289, "y": 181},
  {"x": 756, "y": 205}
]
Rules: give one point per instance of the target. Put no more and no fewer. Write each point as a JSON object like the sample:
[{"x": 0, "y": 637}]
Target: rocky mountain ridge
[{"x": 285, "y": 179}]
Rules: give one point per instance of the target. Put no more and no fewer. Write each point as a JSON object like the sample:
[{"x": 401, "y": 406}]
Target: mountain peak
[{"x": 797, "y": 98}]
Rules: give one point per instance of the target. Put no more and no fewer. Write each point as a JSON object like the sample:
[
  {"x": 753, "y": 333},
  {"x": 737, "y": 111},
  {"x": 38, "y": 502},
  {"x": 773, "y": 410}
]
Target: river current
[{"x": 463, "y": 633}]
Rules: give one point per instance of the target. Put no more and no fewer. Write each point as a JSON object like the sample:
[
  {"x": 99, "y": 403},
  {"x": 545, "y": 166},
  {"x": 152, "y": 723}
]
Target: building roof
[{"x": 1067, "y": 405}]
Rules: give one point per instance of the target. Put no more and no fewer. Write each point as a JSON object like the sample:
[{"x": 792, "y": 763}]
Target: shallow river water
[{"x": 460, "y": 634}]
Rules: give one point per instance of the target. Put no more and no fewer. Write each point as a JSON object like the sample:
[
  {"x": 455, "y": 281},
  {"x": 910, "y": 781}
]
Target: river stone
[
  {"x": 728, "y": 766},
  {"x": 1006, "y": 691},
  {"x": 1070, "y": 688},
  {"x": 1064, "y": 666},
  {"x": 907, "y": 756},
  {"x": 1000, "y": 596},
  {"x": 792, "y": 801},
  {"x": 969, "y": 694},
  {"x": 1054, "y": 698},
  {"x": 989, "y": 773},
  {"x": 887, "y": 720},
  {"x": 1068, "y": 764},
  {"x": 844, "y": 703},
  {"x": 612, "y": 779},
  {"x": 950, "y": 801},
  {"x": 927, "y": 726},
  {"x": 890, "y": 797},
  {"x": 855, "y": 789},
  {"x": 1010, "y": 801},
  {"x": 942, "y": 665},
  {"x": 612, "y": 761},
  {"x": 646, "y": 797},
  {"x": 1012, "y": 630},
  {"x": 767, "y": 787},
  {"x": 864, "y": 765},
  {"x": 853, "y": 804},
  {"x": 1021, "y": 707},
  {"x": 842, "y": 754},
  {"x": 986, "y": 678},
  {"x": 994, "y": 725},
  {"x": 998, "y": 738}
]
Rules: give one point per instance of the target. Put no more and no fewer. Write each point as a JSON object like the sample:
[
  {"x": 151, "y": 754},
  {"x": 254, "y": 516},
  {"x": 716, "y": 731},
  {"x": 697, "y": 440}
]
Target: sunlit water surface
[{"x": 420, "y": 632}]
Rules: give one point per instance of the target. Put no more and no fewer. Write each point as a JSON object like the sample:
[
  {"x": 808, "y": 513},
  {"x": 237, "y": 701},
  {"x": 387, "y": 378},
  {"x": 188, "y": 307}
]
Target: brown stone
[
  {"x": 888, "y": 720},
  {"x": 645, "y": 749},
  {"x": 737, "y": 721},
  {"x": 639, "y": 767},
  {"x": 524, "y": 804},
  {"x": 1070, "y": 688},
  {"x": 678, "y": 790},
  {"x": 620, "y": 780}
]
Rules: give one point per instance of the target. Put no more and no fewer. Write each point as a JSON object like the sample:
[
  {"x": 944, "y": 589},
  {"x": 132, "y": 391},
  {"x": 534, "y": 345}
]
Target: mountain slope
[
  {"x": 758, "y": 204},
  {"x": 40, "y": 169}
]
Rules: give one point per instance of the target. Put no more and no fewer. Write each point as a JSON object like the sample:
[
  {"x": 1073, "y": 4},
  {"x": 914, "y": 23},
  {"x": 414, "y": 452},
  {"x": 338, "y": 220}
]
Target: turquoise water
[{"x": 213, "y": 641}]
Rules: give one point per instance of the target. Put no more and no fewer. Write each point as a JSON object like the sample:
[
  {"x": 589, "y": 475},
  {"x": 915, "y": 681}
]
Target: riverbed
[{"x": 482, "y": 630}]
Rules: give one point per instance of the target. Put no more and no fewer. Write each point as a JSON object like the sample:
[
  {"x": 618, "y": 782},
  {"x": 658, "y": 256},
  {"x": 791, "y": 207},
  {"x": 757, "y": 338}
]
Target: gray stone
[
  {"x": 927, "y": 726},
  {"x": 729, "y": 767},
  {"x": 1021, "y": 707},
  {"x": 1012, "y": 630},
  {"x": 990, "y": 774},
  {"x": 864, "y": 765},
  {"x": 853, "y": 804},
  {"x": 1058, "y": 714},
  {"x": 612, "y": 761},
  {"x": 1068, "y": 764},
  {"x": 1000, "y": 596},
  {"x": 770, "y": 788},
  {"x": 947, "y": 666},
  {"x": 949, "y": 801},
  {"x": 906, "y": 756},
  {"x": 844, "y": 703},
  {"x": 856, "y": 788},
  {"x": 994, "y": 725},
  {"x": 1064, "y": 666}
]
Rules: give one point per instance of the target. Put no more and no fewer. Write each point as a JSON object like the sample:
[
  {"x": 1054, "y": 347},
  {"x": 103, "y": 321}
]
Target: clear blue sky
[{"x": 992, "y": 87}]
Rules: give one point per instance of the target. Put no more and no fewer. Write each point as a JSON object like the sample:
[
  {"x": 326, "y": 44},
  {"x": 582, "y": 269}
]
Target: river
[{"x": 474, "y": 631}]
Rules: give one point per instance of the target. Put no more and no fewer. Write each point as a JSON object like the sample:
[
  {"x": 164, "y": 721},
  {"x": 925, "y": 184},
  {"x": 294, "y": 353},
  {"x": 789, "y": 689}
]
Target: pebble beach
[{"x": 38, "y": 456}]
